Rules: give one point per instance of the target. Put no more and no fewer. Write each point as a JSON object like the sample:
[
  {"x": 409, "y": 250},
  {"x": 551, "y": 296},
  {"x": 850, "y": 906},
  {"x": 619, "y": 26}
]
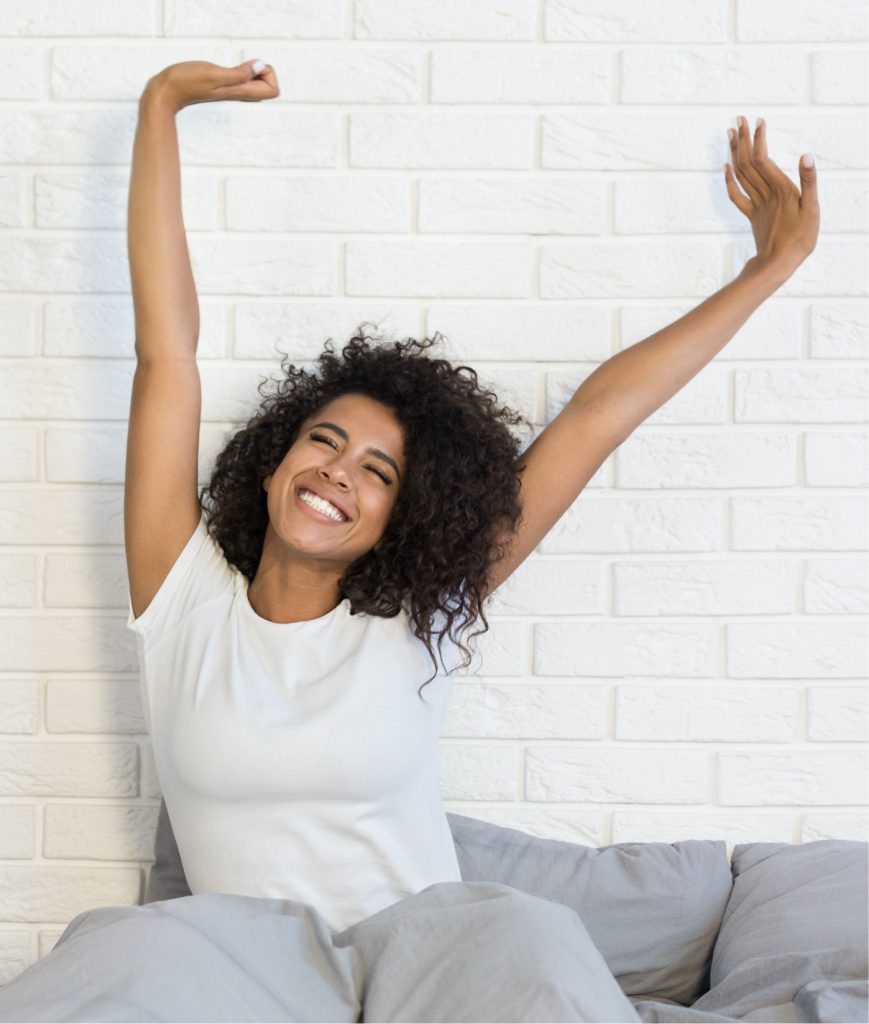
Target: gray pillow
[
  {"x": 793, "y": 941},
  {"x": 652, "y": 909},
  {"x": 167, "y": 880}
]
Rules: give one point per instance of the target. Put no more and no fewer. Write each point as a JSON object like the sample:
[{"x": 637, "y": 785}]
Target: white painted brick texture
[{"x": 684, "y": 656}]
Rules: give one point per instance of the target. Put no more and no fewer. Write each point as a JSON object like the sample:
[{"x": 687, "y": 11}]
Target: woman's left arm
[{"x": 629, "y": 387}]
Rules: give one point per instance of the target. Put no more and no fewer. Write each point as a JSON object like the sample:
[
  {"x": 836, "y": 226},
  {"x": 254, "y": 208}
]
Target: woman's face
[{"x": 361, "y": 473}]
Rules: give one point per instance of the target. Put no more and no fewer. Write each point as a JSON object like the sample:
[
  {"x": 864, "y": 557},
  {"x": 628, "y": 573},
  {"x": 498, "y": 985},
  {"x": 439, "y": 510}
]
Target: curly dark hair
[{"x": 461, "y": 487}]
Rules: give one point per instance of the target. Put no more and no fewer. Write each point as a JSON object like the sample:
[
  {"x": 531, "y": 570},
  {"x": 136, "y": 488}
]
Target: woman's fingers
[
  {"x": 268, "y": 77},
  {"x": 809, "y": 183},
  {"x": 770, "y": 170},
  {"x": 740, "y": 151},
  {"x": 742, "y": 203},
  {"x": 244, "y": 83}
]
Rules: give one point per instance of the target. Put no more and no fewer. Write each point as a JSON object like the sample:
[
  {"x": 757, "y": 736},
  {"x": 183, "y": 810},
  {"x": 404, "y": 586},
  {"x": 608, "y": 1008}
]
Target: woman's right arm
[
  {"x": 161, "y": 503},
  {"x": 164, "y": 293}
]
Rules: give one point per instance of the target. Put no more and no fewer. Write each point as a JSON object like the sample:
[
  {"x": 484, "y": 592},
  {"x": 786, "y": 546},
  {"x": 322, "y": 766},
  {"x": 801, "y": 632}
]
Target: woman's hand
[
  {"x": 784, "y": 220},
  {"x": 200, "y": 81}
]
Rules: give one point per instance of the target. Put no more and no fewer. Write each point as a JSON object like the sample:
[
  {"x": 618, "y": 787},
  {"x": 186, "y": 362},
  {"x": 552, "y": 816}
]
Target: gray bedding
[{"x": 538, "y": 930}]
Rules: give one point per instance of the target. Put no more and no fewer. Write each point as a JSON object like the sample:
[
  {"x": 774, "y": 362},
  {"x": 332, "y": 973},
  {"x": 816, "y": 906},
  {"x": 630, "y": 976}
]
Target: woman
[{"x": 366, "y": 509}]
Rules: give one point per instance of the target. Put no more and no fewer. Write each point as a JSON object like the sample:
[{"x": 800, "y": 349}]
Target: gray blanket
[{"x": 457, "y": 951}]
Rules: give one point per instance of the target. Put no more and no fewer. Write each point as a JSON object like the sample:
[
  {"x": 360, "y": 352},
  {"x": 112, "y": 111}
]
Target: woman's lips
[{"x": 321, "y": 516}]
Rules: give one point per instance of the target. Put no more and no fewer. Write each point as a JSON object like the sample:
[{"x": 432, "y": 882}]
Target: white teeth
[{"x": 321, "y": 505}]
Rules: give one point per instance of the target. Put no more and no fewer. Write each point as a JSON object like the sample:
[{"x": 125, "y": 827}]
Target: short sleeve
[{"x": 199, "y": 574}]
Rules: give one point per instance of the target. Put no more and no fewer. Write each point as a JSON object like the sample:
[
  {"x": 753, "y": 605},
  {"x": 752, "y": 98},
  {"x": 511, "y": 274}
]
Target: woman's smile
[{"x": 315, "y": 513}]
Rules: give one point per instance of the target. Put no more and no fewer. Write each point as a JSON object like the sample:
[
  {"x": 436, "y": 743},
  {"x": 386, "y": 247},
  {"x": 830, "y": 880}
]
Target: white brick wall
[{"x": 541, "y": 180}]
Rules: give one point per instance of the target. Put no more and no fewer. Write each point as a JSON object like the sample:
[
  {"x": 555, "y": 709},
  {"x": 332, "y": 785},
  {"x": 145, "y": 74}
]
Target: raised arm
[
  {"x": 161, "y": 498},
  {"x": 164, "y": 295}
]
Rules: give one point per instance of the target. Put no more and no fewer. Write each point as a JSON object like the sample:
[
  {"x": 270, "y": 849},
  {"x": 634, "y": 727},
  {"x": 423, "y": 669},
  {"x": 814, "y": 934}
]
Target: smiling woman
[
  {"x": 332, "y": 483},
  {"x": 417, "y": 456}
]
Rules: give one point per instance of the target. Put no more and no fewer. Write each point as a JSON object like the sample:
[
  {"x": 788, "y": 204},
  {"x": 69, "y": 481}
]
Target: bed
[{"x": 776, "y": 933}]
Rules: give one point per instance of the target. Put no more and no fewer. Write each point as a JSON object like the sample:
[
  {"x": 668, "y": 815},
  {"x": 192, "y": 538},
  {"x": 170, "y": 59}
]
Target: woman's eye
[{"x": 331, "y": 443}]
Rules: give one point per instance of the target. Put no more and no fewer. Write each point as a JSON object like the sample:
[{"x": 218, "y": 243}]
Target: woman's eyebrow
[{"x": 374, "y": 451}]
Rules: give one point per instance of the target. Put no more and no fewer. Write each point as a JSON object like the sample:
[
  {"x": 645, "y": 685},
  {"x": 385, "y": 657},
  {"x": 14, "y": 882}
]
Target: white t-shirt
[{"x": 296, "y": 759}]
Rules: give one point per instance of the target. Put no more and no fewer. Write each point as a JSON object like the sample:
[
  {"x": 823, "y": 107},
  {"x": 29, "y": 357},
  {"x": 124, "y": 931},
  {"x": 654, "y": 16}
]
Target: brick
[
  {"x": 83, "y": 18},
  {"x": 19, "y": 463},
  {"x": 99, "y": 831},
  {"x": 623, "y": 21},
  {"x": 75, "y": 455},
  {"x": 637, "y": 524},
  {"x": 839, "y": 76},
  {"x": 35, "y": 389},
  {"x": 36, "y": 893},
  {"x": 83, "y": 264},
  {"x": 784, "y": 21},
  {"x": 798, "y": 394},
  {"x": 317, "y": 204},
  {"x": 264, "y": 266},
  {"x": 300, "y": 330},
  {"x": 614, "y": 776},
  {"x": 93, "y": 706},
  {"x": 836, "y": 586},
  {"x": 551, "y": 586},
  {"x": 514, "y": 710},
  {"x": 535, "y": 206},
  {"x": 18, "y": 316},
  {"x": 66, "y": 643},
  {"x": 303, "y": 19},
  {"x": 19, "y": 705},
  {"x": 607, "y": 268},
  {"x": 74, "y": 769},
  {"x": 17, "y": 832},
  {"x": 607, "y": 649},
  {"x": 450, "y": 19},
  {"x": 417, "y": 268},
  {"x": 708, "y": 714},
  {"x": 838, "y": 714},
  {"x": 836, "y": 459},
  {"x": 14, "y": 206},
  {"x": 717, "y": 586},
  {"x": 852, "y": 824},
  {"x": 839, "y": 330},
  {"x": 799, "y": 777},
  {"x": 797, "y": 523},
  {"x": 748, "y": 74},
  {"x": 21, "y": 570},
  {"x": 796, "y": 649},
  {"x": 442, "y": 138},
  {"x": 521, "y": 75},
  {"x": 513, "y": 331},
  {"x": 477, "y": 772}
]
